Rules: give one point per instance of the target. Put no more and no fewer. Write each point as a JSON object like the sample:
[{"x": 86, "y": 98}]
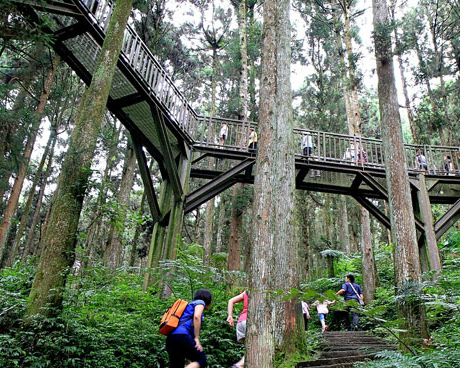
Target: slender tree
[
  {"x": 236, "y": 224},
  {"x": 407, "y": 262},
  {"x": 59, "y": 251},
  {"x": 19, "y": 181},
  {"x": 112, "y": 254}
]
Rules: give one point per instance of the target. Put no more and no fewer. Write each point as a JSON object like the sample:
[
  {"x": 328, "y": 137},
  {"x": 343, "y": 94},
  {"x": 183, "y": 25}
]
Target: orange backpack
[{"x": 171, "y": 318}]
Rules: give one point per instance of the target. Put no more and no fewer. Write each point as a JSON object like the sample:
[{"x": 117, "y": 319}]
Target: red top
[{"x": 244, "y": 312}]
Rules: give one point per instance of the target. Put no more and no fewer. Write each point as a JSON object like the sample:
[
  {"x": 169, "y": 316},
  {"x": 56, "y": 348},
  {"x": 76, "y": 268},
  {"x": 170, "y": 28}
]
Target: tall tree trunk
[
  {"x": 209, "y": 214},
  {"x": 434, "y": 105},
  {"x": 94, "y": 242},
  {"x": 19, "y": 181},
  {"x": 343, "y": 225},
  {"x": 59, "y": 252},
  {"x": 9, "y": 127},
  {"x": 274, "y": 253},
  {"x": 197, "y": 238},
  {"x": 220, "y": 225},
  {"x": 112, "y": 254},
  {"x": 367, "y": 252},
  {"x": 236, "y": 224},
  {"x": 41, "y": 193},
  {"x": 25, "y": 213},
  {"x": 368, "y": 261},
  {"x": 137, "y": 233},
  {"x": 410, "y": 115},
  {"x": 407, "y": 262}
]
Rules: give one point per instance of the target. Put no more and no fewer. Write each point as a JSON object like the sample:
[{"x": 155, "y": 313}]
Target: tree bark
[
  {"x": 407, "y": 262},
  {"x": 343, "y": 225},
  {"x": 234, "y": 251},
  {"x": 19, "y": 181},
  {"x": 209, "y": 215},
  {"x": 59, "y": 247},
  {"x": 133, "y": 252},
  {"x": 410, "y": 115},
  {"x": 94, "y": 243},
  {"x": 272, "y": 322},
  {"x": 367, "y": 252},
  {"x": 41, "y": 193},
  {"x": 112, "y": 254},
  {"x": 220, "y": 225},
  {"x": 25, "y": 213}
]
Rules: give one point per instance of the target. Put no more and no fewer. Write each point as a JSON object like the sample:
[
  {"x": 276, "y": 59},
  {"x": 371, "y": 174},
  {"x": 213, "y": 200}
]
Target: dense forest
[{"x": 98, "y": 237}]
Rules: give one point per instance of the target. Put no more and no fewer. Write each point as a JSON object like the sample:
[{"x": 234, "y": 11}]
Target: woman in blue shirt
[{"x": 184, "y": 342}]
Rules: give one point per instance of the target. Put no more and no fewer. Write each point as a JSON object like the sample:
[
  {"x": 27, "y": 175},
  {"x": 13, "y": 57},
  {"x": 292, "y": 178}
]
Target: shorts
[
  {"x": 240, "y": 331},
  {"x": 180, "y": 347},
  {"x": 322, "y": 316}
]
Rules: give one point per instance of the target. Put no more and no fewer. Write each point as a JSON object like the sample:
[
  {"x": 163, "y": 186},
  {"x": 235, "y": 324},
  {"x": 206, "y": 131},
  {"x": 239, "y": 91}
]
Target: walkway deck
[{"x": 162, "y": 121}]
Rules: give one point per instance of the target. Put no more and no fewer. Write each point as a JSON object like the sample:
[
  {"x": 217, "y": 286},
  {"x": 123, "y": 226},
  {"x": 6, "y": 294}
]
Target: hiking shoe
[{"x": 326, "y": 328}]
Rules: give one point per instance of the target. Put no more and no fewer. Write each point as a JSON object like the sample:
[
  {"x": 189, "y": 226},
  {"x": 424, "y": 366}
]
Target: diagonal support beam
[
  {"x": 165, "y": 144},
  {"x": 375, "y": 185},
  {"x": 129, "y": 100},
  {"x": 215, "y": 186},
  {"x": 368, "y": 205},
  {"x": 69, "y": 32},
  {"x": 300, "y": 176},
  {"x": 356, "y": 183},
  {"x": 147, "y": 180},
  {"x": 446, "y": 221}
]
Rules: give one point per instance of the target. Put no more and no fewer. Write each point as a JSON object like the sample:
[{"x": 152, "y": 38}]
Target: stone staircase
[{"x": 343, "y": 349}]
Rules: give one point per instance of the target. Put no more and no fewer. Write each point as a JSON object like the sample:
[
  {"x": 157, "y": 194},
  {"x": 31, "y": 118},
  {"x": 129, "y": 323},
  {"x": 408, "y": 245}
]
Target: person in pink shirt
[
  {"x": 241, "y": 323},
  {"x": 322, "y": 309}
]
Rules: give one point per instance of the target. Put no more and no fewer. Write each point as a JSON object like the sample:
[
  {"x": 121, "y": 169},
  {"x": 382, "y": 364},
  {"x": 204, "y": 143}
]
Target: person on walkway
[
  {"x": 350, "y": 291},
  {"x": 307, "y": 144},
  {"x": 322, "y": 308},
  {"x": 252, "y": 140},
  {"x": 306, "y": 313},
  {"x": 350, "y": 153},
  {"x": 184, "y": 342},
  {"x": 421, "y": 161},
  {"x": 241, "y": 323},
  {"x": 448, "y": 165},
  {"x": 223, "y": 133}
]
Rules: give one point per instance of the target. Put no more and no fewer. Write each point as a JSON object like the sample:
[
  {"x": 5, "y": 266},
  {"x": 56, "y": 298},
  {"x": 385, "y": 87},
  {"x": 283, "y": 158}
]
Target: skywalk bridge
[{"x": 185, "y": 145}]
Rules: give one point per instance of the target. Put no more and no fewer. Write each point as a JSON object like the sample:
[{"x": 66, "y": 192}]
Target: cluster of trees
[{"x": 69, "y": 183}]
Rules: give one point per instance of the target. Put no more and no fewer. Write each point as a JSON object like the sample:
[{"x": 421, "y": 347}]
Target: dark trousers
[
  {"x": 307, "y": 151},
  {"x": 346, "y": 319},
  {"x": 306, "y": 321},
  {"x": 181, "y": 347}
]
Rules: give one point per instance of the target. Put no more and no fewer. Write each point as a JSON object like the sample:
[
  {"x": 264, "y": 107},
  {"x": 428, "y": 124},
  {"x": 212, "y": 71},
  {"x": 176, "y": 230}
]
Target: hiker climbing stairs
[{"x": 343, "y": 349}]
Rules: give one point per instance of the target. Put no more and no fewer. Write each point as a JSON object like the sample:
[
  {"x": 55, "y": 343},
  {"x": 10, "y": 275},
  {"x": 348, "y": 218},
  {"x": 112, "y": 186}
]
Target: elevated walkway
[{"x": 185, "y": 145}]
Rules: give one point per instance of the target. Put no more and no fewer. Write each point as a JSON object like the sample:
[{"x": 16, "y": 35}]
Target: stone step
[
  {"x": 335, "y": 361},
  {"x": 340, "y": 340},
  {"x": 340, "y": 365},
  {"x": 372, "y": 348},
  {"x": 342, "y": 353}
]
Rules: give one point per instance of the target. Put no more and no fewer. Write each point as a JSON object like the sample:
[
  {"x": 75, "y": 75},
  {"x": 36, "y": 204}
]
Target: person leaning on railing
[{"x": 252, "y": 140}]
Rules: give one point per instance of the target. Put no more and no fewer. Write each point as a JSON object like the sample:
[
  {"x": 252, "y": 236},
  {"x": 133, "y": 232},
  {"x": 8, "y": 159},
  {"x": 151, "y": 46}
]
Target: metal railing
[
  {"x": 325, "y": 146},
  {"x": 145, "y": 65},
  {"x": 205, "y": 130}
]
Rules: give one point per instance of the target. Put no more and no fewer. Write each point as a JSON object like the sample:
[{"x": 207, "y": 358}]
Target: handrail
[
  {"x": 139, "y": 57},
  {"x": 204, "y": 131},
  {"x": 326, "y": 146}
]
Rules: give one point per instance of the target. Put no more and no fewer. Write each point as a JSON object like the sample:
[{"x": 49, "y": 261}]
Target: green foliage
[{"x": 108, "y": 321}]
